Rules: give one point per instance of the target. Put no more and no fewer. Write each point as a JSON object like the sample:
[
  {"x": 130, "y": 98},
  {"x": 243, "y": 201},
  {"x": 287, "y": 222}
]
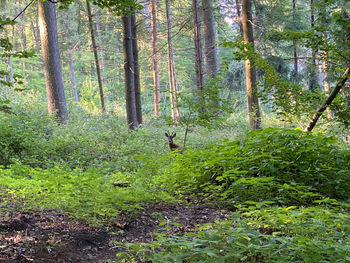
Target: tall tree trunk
[
  {"x": 100, "y": 45},
  {"x": 71, "y": 62},
  {"x": 326, "y": 83},
  {"x": 253, "y": 102},
  {"x": 35, "y": 35},
  {"x": 136, "y": 70},
  {"x": 52, "y": 64},
  {"x": 22, "y": 30},
  {"x": 210, "y": 39},
  {"x": 156, "y": 87},
  {"x": 198, "y": 45},
  {"x": 346, "y": 40},
  {"x": 313, "y": 75},
  {"x": 130, "y": 97},
  {"x": 210, "y": 45},
  {"x": 175, "y": 111},
  {"x": 295, "y": 45},
  {"x": 238, "y": 10},
  {"x": 97, "y": 64}
]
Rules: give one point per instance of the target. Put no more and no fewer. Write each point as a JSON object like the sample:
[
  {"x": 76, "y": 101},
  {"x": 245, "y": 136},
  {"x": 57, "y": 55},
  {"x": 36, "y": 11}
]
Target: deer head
[{"x": 171, "y": 143}]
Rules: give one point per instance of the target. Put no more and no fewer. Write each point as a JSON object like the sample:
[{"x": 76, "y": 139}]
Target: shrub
[
  {"x": 283, "y": 165},
  {"x": 312, "y": 234}
]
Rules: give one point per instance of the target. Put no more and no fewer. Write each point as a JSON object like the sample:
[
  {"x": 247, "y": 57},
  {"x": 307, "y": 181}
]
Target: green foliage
[
  {"x": 208, "y": 107},
  {"x": 289, "y": 234},
  {"x": 283, "y": 166},
  {"x": 87, "y": 194}
]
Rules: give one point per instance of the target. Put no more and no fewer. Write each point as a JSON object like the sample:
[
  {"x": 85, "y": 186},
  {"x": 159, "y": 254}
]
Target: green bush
[
  {"x": 90, "y": 194},
  {"x": 314, "y": 234},
  {"x": 283, "y": 165}
]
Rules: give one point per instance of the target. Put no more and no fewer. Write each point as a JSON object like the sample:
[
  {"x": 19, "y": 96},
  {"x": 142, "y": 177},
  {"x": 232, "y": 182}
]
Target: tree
[
  {"x": 100, "y": 44},
  {"x": 210, "y": 39},
  {"x": 51, "y": 57},
  {"x": 97, "y": 64},
  {"x": 198, "y": 45},
  {"x": 295, "y": 43},
  {"x": 156, "y": 86},
  {"x": 175, "y": 111},
  {"x": 136, "y": 69},
  {"x": 313, "y": 75},
  {"x": 130, "y": 96},
  {"x": 253, "y": 102},
  {"x": 71, "y": 62}
]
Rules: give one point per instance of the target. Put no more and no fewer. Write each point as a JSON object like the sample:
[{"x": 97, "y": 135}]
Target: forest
[{"x": 174, "y": 131}]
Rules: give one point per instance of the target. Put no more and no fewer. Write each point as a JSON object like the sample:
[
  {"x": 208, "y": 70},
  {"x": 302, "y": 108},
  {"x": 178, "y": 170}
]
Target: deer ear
[
  {"x": 174, "y": 135},
  {"x": 166, "y": 135}
]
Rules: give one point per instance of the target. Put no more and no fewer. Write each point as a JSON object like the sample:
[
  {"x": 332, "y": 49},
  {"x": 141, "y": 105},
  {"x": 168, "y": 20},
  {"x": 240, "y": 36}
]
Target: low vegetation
[{"x": 287, "y": 191}]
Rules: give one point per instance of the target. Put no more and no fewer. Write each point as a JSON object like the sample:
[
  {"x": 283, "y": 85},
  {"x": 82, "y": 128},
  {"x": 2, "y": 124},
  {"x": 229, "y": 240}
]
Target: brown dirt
[{"x": 51, "y": 236}]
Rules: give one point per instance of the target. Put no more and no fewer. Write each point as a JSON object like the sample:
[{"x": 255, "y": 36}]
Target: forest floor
[{"x": 52, "y": 236}]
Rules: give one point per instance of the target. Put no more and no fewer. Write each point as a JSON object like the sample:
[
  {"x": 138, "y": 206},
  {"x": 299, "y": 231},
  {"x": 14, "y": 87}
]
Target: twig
[{"x": 188, "y": 122}]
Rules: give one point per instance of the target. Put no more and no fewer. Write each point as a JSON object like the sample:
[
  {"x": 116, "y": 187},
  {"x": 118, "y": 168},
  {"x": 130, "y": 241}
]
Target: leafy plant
[
  {"x": 280, "y": 165},
  {"x": 288, "y": 234}
]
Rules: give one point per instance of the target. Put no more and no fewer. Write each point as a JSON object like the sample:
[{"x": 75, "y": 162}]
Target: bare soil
[{"x": 52, "y": 236}]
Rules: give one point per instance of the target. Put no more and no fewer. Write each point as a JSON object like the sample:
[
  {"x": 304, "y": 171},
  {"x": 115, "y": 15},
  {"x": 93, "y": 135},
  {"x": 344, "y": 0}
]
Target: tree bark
[
  {"x": 136, "y": 70},
  {"x": 295, "y": 45},
  {"x": 71, "y": 61},
  {"x": 198, "y": 45},
  {"x": 239, "y": 17},
  {"x": 35, "y": 35},
  {"x": 328, "y": 101},
  {"x": 52, "y": 64},
  {"x": 210, "y": 39},
  {"x": 156, "y": 86},
  {"x": 97, "y": 64},
  {"x": 130, "y": 97},
  {"x": 313, "y": 75},
  {"x": 253, "y": 102},
  {"x": 100, "y": 45},
  {"x": 175, "y": 111}
]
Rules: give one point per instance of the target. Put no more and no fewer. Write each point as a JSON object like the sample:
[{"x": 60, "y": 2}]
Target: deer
[{"x": 173, "y": 147}]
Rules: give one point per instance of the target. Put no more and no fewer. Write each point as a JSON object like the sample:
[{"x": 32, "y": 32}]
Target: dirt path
[{"x": 51, "y": 236}]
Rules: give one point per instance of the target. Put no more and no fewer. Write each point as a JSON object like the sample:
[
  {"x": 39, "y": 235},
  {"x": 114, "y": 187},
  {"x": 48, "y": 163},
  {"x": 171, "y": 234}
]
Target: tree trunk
[
  {"x": 328, "y": 101},
  {"x": 313, "y": 75},
  {"x": 156, "y": 86},
  {"x": 295, "y": 46},
  {"x": 52, "y": 65},
  {"x": 35, "y": 35},
  {"x": 210, "y": 39},
  {"x": 71, "y": 62},
  {"x": 326, "y": 84},
  {"x": 175, "y": 111},
  {"x": 198, "y": 45},
  {"x": 239, "y": 16},
  {"x": 97, "y": 64},
  {"x": 253, "y": 102},
  {"x": 130, "y": 98},
  {"x": 100, "y": 45},
  {"x": 136, "y": 70}
]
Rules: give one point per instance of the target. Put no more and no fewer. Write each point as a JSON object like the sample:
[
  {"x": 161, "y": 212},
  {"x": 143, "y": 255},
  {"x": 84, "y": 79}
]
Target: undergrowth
[
  {"x": 274, "y": 234},
  {"x": 289, "y": 189},
  {"x": 283, "y": 166}
]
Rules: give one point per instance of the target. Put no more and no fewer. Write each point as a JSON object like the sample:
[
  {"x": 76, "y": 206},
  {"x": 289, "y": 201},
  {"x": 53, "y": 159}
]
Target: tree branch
[
  {"x": 328, "y": 101},
  {"x": 20, "y": 13}
]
